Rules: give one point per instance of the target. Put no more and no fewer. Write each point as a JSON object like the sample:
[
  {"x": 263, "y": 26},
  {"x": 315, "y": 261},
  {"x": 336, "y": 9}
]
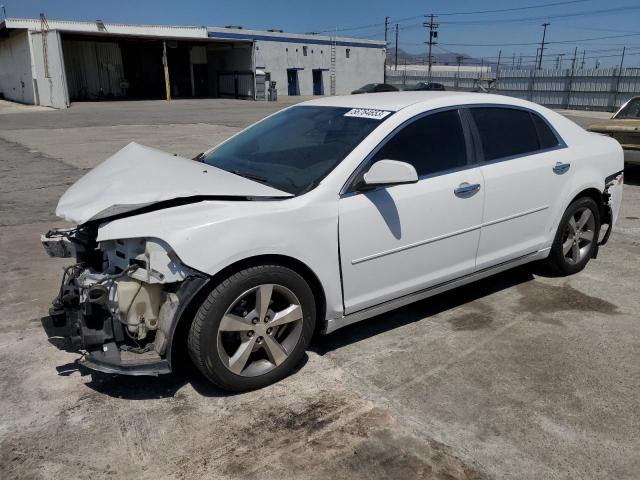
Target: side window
[
  {"x": 431, "y": 144},
  {"x": 505, "y": 131},
  {"x": 547, "y": 138}
]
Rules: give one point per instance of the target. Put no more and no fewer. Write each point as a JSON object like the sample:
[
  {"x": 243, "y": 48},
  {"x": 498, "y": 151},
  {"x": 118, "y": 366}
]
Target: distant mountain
[{"x": 438, "y": 58}]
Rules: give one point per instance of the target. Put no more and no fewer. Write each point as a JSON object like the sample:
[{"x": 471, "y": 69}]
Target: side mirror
[{"x": 389, "y": 172}]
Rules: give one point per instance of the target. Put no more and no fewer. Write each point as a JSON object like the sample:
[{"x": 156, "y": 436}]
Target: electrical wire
[{"x": 443, "y": 14}]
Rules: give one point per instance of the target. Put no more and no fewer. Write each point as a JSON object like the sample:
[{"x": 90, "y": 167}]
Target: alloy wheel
[
  {"x": 259, "y": 330},
  {"x": 578, "y": 236}
]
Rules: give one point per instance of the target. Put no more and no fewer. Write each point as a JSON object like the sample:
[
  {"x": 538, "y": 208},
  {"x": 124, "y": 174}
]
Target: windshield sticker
[{"x": 367, "y": 113}]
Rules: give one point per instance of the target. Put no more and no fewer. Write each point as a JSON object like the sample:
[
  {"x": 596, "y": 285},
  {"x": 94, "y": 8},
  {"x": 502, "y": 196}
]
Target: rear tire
[
  {"x": 253, "y": 328},
  {"x": 576, "y": 238}
]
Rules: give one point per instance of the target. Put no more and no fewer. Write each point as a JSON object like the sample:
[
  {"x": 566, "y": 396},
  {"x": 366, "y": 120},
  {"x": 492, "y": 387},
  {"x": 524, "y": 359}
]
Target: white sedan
[{"x": 321, "y": 215}]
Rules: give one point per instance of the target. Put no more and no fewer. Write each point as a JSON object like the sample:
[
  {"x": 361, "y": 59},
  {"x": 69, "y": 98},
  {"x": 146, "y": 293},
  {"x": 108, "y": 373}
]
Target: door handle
[
  {"x": 561, "y": 168},
  {"x": 466, "y": 189}
]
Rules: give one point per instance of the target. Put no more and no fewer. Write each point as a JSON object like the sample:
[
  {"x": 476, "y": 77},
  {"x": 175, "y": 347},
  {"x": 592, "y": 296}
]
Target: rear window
[{"x": 505, "y": 132}]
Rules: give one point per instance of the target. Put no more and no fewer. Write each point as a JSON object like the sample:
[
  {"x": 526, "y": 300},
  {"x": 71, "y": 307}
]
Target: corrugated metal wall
[
  {"x": 235, "y": 85},
  {"x": 94, "y": 69},
  {"x": 589, "y": 89}
]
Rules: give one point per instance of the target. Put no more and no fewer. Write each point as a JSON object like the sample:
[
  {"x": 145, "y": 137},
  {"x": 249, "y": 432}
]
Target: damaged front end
[{"x": 120, "y": 303}]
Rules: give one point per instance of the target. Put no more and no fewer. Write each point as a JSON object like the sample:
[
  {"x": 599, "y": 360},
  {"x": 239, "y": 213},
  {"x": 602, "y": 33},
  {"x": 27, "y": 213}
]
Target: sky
[{"x": 598, "y": 28}]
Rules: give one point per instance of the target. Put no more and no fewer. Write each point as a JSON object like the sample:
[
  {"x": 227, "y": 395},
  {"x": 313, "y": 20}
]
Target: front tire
[
  {"x": 253, "y": 328},
  {"x": 576, "y": 238}
]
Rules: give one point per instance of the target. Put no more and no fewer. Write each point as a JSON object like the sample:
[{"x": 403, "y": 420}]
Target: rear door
[
  {"x": 400, "y": 239},
  {"x": 525, "y": 169}
]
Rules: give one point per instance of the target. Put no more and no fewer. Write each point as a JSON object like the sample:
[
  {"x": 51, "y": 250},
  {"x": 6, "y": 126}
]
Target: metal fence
[{"x": 588, "y": 89}]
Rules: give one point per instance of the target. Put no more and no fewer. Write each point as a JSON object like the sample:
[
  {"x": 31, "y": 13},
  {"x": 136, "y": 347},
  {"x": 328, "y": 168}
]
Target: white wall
[
  {"x": 364, "y": 65},
  {"x": 16, "y": 82},
  {"x": 51, "y": 89}
]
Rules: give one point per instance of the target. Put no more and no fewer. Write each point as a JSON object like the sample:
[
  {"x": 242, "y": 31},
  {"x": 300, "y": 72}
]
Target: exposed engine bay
[{"x": 120, "y": 301}]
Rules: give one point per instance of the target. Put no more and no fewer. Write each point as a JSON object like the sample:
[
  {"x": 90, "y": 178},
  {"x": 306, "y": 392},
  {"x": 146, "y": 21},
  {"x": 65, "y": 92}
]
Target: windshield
[
  {"x": 296, "y": 148},
  {"x": 631, "y": 110}
]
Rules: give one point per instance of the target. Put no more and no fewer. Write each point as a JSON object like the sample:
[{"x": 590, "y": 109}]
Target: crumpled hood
[{"x": 139, "y": 176}]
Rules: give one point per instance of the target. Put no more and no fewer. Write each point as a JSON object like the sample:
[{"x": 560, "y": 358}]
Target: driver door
[{"x": 400, "y": 239}]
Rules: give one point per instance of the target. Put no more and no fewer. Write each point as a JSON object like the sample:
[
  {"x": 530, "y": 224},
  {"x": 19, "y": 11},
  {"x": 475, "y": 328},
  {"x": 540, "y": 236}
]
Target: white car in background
[{"x": 321, "y": 215}]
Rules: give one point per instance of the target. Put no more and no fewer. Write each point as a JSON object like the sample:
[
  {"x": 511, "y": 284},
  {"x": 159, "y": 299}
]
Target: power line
[
  {"x": 545, "y": 17},
  {"x": 544, "y": 5},
  {"x": 535, "y": 43},
  {"x": 475, "y": 12}
]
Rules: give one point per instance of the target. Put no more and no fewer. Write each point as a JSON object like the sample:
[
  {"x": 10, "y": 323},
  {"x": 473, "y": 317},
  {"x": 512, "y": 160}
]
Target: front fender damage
[
  {"x": 120, "y": 305},
  {"x": 111, "y": 359}
]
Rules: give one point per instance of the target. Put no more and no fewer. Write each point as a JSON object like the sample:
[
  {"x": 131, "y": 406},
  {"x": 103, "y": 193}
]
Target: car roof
[{"x": 395, "y": 101}]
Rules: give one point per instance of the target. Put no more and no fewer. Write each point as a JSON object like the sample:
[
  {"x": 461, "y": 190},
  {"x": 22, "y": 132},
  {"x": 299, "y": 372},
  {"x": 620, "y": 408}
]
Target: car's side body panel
[
  {"x": 210, "y": 236},
  {"x": 397, "y": 240},
  {"x": 522, "y": 196}
]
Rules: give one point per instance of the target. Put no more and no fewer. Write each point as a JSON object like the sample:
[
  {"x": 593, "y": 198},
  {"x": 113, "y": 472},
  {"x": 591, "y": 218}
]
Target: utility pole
[
  {"x": 615, "y": 97},
  {"x": 386, "y": 26},
  {"x": 397, "y": 46},
  {"x": 498, "y": 64},
  {"x": 433, "y": 34},
  {"x": 513, "y": 60},
  {"x": 544, "y": 33},
  {"x": 559, "y": 61},
  {"x": 573, "y": 72},
  {"x": 165, "y": 65},
  {"x": 582, "y": 64}
]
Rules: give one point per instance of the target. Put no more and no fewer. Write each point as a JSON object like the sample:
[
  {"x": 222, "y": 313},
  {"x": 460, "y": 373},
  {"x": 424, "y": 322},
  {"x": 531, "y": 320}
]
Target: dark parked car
[
  {"x": 424, "y": 86},
  {"x": 375, "y": 88}
]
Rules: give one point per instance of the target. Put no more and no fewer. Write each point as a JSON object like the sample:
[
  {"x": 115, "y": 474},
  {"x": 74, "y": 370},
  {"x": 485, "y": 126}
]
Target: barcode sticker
[{"x": 367, "y": 113}]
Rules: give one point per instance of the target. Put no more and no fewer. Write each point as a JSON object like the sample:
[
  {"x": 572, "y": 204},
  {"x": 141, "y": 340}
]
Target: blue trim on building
[{"x": 273, "y": 38}]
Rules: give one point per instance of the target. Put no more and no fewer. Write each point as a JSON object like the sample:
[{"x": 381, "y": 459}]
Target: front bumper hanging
[{"x": 84, "y": 324}]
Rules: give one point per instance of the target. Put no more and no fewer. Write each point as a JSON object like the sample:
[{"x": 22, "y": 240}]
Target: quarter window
[
  {"x": 505, "y": 132},
  {"x": 432, "y": 144},
  {"x": 547, "y": 138}
]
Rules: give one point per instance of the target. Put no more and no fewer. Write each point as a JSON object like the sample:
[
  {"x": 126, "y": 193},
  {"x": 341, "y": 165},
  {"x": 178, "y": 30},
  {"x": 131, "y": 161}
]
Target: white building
[{"x": 56, "y": 62}]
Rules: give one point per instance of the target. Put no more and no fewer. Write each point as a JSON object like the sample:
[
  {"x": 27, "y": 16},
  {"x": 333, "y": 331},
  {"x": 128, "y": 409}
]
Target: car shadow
[
  {"x": 166, "y": 386},
  {"x": 150, "y": 387},
  {"x": 385, "y": 204},
  {"x": 422, "y": 309}
]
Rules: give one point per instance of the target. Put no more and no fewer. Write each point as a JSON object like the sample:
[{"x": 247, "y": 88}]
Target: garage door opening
[{"x": 117, "y": 68}]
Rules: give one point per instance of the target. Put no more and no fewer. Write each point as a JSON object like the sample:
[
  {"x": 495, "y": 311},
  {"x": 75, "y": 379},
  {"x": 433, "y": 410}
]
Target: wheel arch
[
  {"x": 592, "y": 192},
  {"x": 599, "y": 197},
  {"x": 176, "y": 348}
]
